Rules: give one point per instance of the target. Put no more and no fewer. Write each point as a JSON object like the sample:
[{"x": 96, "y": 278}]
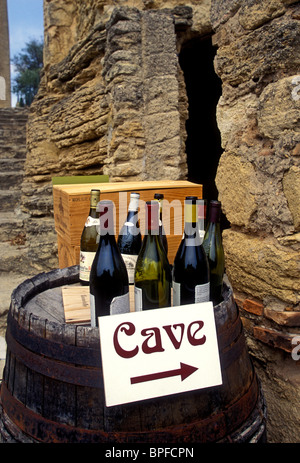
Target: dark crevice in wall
[{"x": 204, "y": 88}]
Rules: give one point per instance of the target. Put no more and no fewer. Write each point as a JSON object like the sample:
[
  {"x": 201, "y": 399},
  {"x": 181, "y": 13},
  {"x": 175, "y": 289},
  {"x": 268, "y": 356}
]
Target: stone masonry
[
  {"x": 112, "y": 100},
  {"x": 258, "y": 183}
]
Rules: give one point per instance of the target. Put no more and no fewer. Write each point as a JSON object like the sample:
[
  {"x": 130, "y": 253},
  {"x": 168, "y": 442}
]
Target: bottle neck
[
  {"x": 95, "y": 198},
  {"x": 106, "y": 218},
  {"x": 152, "y": 218},
  {"x": 133, "y": 204},
  {"x": 214, "y": 212},
  {"x": 191, "y": 231}
]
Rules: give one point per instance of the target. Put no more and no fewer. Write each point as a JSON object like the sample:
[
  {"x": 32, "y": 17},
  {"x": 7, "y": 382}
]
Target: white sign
[{"x": 159, "y": 352}]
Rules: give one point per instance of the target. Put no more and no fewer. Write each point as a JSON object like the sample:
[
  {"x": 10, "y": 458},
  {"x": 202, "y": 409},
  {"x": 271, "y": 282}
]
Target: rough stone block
[
  {"x": 279, "y": 108},
  {"x": 262, "y": 267},
  {"x": 284, "y": 318},
  {"x": 236, "y": 175},
  {"x": 291, "y": 188},
  {"x": 274, "y": 338},
  {"x": 253, "y": 307},
  {"x": 258, "y": 55}
]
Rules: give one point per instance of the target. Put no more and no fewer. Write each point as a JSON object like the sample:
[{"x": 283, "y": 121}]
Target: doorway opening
[{"x": 204, "y": 88}]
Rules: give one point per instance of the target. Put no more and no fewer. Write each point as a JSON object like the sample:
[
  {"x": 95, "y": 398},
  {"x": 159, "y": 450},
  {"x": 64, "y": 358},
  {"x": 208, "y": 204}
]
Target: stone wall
[
  {"x": 258, "y": 183},
  {"x": 112, "y": 100}
]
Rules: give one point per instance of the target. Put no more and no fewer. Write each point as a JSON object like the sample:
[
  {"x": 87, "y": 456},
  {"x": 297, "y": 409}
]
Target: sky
[{"x": 25, "y": 22}]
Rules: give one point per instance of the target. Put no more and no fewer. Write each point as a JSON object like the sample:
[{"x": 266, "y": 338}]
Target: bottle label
[
  {"x": 120, "y": 304},
  {"x": 93, "y": 310},
  {"x": 176, "y": 293},
  {"x": 86, "y": 260},
  {"x": 130, "y": 261},
  {"x": 91, "y": 221},
  {"x": 138, "y": 299},
  {"x": 202, "y": 293}
]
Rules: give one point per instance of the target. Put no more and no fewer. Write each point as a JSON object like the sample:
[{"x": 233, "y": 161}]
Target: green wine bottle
[
  {"x": 159, "y": 197},
  {"x": 190, "y": 269},
  {"x": 153, "y": 278},
  {"x": 89, "y": 239},
  {"x": 213, "y": 247}
]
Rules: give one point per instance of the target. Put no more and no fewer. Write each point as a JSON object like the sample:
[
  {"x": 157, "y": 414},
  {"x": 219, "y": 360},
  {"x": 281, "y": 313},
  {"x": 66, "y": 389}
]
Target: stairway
[
  {"x": 12, "y": 159},
  {"x": 13, "y": 256}
]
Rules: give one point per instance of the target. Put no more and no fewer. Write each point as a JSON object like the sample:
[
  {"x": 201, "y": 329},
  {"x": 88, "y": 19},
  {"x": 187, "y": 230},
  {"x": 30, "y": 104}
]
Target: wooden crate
[{"x": 72, "y": 203}]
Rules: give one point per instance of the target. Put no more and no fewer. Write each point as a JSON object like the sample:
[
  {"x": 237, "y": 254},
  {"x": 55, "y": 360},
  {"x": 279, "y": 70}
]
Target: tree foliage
[{"x": 28, "y": 65}]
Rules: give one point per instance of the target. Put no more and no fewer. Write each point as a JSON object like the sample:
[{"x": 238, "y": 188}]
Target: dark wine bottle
[
  {"x": 89, "y": 239},
  {"x": 159, "y": 197},
  {"x": 109, "y": 289},
  {"x": 213, "y": 247},
  {"x": 190, "y": 268},
  {"x": 152, "y": 277},
  {"x": 130, "y": 239}
]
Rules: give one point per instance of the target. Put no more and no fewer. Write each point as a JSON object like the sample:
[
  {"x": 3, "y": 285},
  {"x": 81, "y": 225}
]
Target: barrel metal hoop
[
  {"x": 211, "y": 429},
  {"x": 66, "y": 372},
  {"x": 84, "y": 355},
  {"x": 229, "y": 335},
  {"x": 75, "y": 373}
]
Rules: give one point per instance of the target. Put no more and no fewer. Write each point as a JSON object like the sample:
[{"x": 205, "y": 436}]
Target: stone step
[
  {"x": 11, "y": 180},
  {"x": 9, "y": 200},
  {"x": 11, "y": 165},
  {"x": 13, "y": 125},
  {"x": 12, "y": 226},
  {"x": 12, "y": 122},
  {"x": 13, "y": 114},
  {"x": 14, "y": 258},
  {"x": 13, "y": 151}
]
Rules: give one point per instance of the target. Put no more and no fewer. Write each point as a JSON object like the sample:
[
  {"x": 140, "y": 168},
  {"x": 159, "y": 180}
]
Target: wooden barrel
[{"x": 52, "y": 389}]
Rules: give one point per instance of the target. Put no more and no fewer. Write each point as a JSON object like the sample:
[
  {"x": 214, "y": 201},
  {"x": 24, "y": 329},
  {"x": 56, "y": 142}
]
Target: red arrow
[{"x": 184, "y": 371}]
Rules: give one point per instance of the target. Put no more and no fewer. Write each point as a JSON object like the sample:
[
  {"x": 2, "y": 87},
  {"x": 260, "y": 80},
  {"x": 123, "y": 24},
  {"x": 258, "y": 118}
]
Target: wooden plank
[
  {"x": 68, "y": 254},
  {"x": 76, "y": 303},
  {"x": 47, "y": 305},
  {"x": 125, "y": 186}
]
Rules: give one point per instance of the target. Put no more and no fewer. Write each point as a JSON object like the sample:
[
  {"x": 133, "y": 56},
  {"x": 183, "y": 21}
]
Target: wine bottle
[
  {"x": 159, "y": 197},
  {"x": 190, "y": 268},
  {"x": 213, "y": 247},
  {"x": 89, "y": 239},
  {"x": 109, "y": 290},
  {"x": 152, "y": 277},
  {"x": 130, "y": 239},
  {"x": 202, "y": 218}
]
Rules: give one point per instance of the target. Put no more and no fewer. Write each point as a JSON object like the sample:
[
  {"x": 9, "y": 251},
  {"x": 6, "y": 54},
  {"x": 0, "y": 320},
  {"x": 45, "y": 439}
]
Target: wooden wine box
[{"x": 72, "y": 203}]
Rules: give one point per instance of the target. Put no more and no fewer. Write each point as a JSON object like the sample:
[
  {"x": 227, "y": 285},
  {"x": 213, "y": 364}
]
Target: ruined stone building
[{"x": 201, "y": 90}]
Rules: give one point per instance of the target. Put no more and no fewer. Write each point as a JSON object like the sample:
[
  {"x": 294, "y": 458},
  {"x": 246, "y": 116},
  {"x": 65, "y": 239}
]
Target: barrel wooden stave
[{"x": 53, "y": 373}]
